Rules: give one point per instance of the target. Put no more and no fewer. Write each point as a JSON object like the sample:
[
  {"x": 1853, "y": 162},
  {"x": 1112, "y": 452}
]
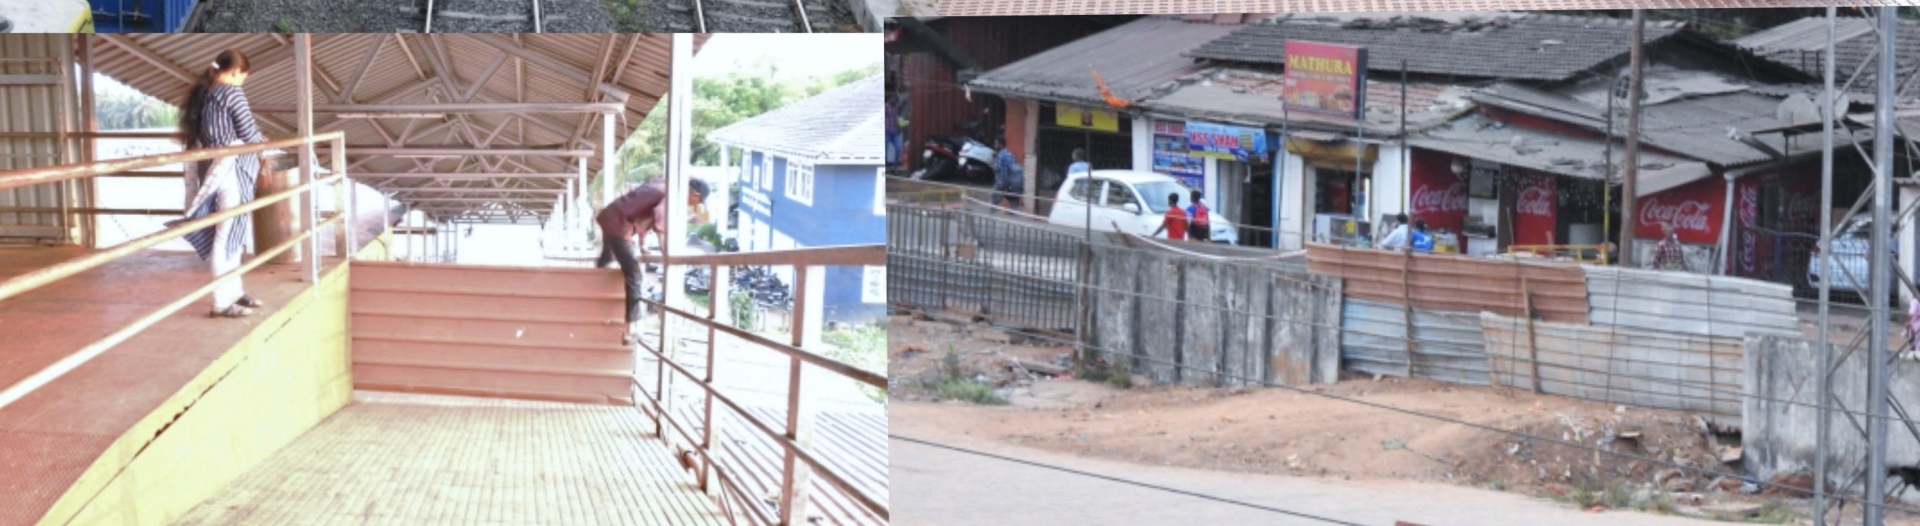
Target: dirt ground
[{"x": 1280, "y": 431}]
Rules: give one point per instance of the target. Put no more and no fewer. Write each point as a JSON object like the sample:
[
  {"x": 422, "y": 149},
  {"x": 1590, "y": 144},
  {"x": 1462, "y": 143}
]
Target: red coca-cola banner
[
  {"x": 1534, "y": 211},
  {"x": 1694, "y": 209},
  {"x": 1438, "y": 196}
]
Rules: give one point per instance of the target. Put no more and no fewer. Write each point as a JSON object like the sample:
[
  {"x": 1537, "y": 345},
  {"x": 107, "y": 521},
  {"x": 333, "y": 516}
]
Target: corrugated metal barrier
[
  {"x": 1456, "y": 283},
  {"x": 1687, "y": 303},
  {"x": 1446, "y": 346},
  {"x": 1620, "y": 365}
]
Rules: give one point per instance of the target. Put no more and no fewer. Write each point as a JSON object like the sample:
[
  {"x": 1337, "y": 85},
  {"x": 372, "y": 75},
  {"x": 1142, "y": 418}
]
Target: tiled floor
[{"x": 419, "y": 459}]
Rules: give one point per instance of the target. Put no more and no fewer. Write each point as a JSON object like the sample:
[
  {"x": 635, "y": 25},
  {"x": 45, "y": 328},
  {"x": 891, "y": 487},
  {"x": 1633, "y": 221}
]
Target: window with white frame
[
  {"x": 880, "y": 191},
  {"x": 751, "y": 168},
  {"x": 766, "y": 172},
  {"x": 800, "y": 182}
]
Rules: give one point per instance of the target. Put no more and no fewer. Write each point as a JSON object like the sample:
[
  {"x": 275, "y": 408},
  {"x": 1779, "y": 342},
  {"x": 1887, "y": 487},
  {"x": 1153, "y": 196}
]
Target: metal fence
[{"x": 1001, "y": 269}]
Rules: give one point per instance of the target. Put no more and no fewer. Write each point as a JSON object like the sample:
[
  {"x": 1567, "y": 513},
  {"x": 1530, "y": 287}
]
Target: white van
[{"x": 1133, "y": 199}]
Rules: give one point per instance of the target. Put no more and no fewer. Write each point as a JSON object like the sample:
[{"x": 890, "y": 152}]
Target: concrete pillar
[
  {"x": 608, "y": 159},
  {"x": 1142, "y": 144},
  {"x": 1030, "y": 159}
]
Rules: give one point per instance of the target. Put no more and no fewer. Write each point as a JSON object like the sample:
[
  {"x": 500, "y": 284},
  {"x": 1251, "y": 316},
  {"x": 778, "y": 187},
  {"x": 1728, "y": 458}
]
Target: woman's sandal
[
  {"x": 232, "y": 311},
  {"x": 249, "y": 302}
]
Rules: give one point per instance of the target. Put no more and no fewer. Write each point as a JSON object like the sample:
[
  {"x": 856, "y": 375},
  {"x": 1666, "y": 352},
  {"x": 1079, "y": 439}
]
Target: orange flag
[{"x": 1112, "y": 100}]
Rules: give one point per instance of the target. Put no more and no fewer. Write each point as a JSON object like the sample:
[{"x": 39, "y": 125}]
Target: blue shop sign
[{"x": 1225, "y": 141}]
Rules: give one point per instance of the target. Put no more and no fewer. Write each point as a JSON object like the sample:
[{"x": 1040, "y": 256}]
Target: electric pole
[{"x": 1629, "y": 203}]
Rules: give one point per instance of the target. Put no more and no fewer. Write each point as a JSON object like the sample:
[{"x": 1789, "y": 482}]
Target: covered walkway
[{"x": 121, "y": 402}]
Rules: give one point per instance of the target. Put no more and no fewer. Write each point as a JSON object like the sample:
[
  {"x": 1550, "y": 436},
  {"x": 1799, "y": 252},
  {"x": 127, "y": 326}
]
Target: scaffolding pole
[
  {"x": 1825, "y": 424},
  {"x": 1879, "y": 272}
]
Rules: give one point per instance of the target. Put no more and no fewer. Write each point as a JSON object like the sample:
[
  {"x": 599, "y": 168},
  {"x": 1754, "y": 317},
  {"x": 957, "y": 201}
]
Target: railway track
[
  {"x": 437, "y": 11},
  {"x": 747, "y": 16}
]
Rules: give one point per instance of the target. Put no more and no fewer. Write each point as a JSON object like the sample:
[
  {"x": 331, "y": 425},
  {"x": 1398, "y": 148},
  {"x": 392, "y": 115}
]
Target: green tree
[{"x": 744, "y": 93}]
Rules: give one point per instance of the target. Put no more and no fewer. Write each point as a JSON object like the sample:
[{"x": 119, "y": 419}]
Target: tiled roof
[
  {"x": 1165, "y": 7},
  {"x": 843, "y": 124},
  {"x": 1526, "y": 47},
  {"x": 1133, "y": 59},
  {"x": 1802, "y": 45}
]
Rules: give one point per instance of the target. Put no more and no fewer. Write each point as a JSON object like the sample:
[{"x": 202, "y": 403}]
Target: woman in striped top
[{"x": 216, "y": 115}]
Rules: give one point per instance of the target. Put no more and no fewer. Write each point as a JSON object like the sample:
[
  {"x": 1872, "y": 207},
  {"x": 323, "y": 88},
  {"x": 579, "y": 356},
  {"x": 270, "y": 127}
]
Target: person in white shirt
[{"x": 1397, "y": 239}]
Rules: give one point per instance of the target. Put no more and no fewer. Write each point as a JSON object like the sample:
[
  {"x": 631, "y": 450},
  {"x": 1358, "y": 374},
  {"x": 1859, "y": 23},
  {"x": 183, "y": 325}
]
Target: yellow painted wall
[{"x": 291, "y": 373}]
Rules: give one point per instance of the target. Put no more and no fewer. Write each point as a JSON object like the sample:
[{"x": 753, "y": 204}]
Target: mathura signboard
[{"x": 1326, "y": 79}]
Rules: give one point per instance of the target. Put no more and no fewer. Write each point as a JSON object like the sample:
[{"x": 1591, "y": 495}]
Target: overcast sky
[{"x": 798, "y": 55}]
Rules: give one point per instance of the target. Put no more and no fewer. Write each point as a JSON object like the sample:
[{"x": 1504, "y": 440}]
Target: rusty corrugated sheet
[
  {"x": 1455, "y": 283},
  {"x": 33, "y": 101},
  {"x": 1618, "y": 365}
]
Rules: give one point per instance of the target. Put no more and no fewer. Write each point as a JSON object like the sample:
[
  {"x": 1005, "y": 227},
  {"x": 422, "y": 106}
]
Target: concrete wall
[
  {"x": 1781, "y": 419},
  {"x": 1193, "y": 321}
]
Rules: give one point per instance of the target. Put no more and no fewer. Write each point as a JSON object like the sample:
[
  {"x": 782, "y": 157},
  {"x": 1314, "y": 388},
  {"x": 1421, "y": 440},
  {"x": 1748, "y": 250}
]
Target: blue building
[{"x": 812, "y": 175}]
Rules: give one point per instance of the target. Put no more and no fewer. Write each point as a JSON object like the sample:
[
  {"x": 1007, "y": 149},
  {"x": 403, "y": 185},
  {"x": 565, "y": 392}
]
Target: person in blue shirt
[
  {"x": 1006, "y": 175},
  {"x": 1422, "y": 241},
  {"x": 1079, "y": 165}
]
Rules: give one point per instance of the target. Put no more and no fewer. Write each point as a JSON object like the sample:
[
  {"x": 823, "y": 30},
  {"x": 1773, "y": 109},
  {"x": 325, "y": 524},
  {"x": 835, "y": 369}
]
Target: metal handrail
[
  {"x": 53, "y": 174},
  {"x": 788, "y": 442},
  {"x": 26, "y": 282}
]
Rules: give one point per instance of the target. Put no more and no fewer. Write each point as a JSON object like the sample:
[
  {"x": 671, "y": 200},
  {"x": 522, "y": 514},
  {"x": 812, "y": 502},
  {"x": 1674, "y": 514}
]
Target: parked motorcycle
[{"x": 959, "y": 158}]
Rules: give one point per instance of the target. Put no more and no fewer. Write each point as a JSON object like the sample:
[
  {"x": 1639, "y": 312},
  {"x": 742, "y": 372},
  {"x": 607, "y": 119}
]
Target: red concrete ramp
[{"x": 511, "y": 332}]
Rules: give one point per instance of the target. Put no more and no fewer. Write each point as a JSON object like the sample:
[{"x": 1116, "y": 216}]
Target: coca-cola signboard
[
  {"x": 1693, "y": 209},
  {"x": 1432, "y": 199},
  {"x": 1437, "y": 195},
  {"x": 1534, "y": 210}
]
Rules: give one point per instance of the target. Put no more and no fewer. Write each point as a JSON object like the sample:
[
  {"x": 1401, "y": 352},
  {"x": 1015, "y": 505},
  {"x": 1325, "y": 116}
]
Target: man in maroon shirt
[{"x": 636, "y": 213}]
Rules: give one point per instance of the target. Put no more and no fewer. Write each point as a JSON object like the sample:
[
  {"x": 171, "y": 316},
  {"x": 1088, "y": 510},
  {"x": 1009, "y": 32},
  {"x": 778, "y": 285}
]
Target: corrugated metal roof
[
  {"x": 1133, "y": 59},
  {"x": 1695, "y": 127},
  {"x": 416, "y": 68},
  {"x": 1801, "y": 44},
  {"x": 1532, "y": 47},
  {"x": 1478, "y": 137},
  {"x": 1806, "y": 34},
  {"x": 1252, "y": 97},
  {"x": 845, "y": 124}
]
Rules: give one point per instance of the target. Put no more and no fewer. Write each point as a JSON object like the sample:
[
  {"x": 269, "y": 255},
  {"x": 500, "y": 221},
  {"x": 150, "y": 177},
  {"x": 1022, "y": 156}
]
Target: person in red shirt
[
  {"x": 636, "y": 213},
  {"x": 1174, "y": 223},
  {"x": 1198, "y": 229}
]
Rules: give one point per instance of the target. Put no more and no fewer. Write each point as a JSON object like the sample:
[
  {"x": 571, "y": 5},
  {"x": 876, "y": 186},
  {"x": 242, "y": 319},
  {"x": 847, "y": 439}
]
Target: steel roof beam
[
  {"x": 457, "y": 107},
  {"x": 461, "y": 152},
  {"x": 555, "y": 66}
]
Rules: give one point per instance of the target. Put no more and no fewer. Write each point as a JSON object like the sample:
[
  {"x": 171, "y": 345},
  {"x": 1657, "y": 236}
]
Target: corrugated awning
[{"x": 1476, "y": 137}]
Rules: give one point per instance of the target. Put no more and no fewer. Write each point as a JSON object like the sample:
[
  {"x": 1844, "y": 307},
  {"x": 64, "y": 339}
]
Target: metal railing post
[
  {"x": 716, "y": 292},
  {"x": 794, "y": 476}
]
